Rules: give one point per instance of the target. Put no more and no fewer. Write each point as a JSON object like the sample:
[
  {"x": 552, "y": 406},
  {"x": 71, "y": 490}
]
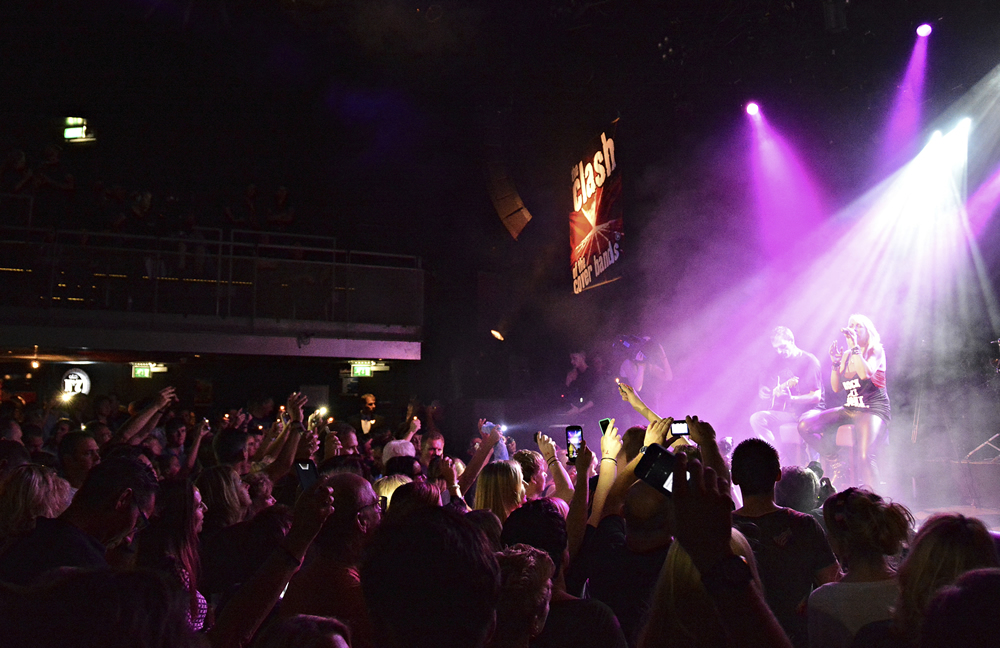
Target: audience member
[
  {"x": 792, "y": 552},
  {"x": 431, "y": 445},
  {"x": 305, "y": 631},
  {"x": 413, "y": 497},
  {"x": 78, "y": 454},
  {"x": 330, "y": 585},
  {"x": 572, "y": 621},
  {"x": 964, "y": 615},
  {"x": 12, "y": 455},
  {"x": 446, "y": 597},
  {"x": 27, "y": 493},
  {"x": 865, "y": 532},
  {"x": 500, "y": 488},
  {"x": 386, "y": 486},
  {"x": 116, "y": 500},
  {"x": 533, "y": 471},
  {"x": 681, "y": 614},
  {"x": 170, "y": 544},
  {"x": 525, "y": 591},
  {"x": 947, "y": 546}
]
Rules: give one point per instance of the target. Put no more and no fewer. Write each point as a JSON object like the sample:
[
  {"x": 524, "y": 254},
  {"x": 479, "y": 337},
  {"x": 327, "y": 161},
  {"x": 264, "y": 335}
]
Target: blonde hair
[
  {"x": 223, "y": 493},
  {"x": 947, "y": 546},
  {"x": 27, "y": 493},
  {"x": 874, "y": 339},
  {"x": 386, "y": 486},
  {"x": 500, "y": 488},
  {"x": 678, "y": 591}
]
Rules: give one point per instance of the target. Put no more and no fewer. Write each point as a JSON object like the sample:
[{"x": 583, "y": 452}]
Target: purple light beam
[
  {"x": 788, "y": 200},
  {"x": 904, "y": 122}
]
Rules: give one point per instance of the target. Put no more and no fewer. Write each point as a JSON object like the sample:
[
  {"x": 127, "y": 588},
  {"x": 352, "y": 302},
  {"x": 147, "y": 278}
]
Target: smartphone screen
[
  {"x": 574, "y": 438},
  {"x": 605, "y": 424},
  {"x": 679, "y": 428},
  {"x": 307, "y": 473}
]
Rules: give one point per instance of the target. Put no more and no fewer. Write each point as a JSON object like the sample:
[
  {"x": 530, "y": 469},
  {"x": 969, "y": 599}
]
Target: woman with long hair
[
  {"x": 858, "y": 370},
  {"x": 227, "y": 498},
  {"x": 682, "y": 612},
  {"x": 500, "y": 488},
  {"x": 170, "y": 544},
  {"x": 866, "y": 533}
]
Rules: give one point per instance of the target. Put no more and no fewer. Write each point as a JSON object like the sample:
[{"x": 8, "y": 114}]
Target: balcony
[{"x": 208, "y": 291}]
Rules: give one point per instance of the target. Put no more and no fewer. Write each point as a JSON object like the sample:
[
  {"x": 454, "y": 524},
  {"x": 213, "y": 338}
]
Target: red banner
[{"x": 595, "y": 225}]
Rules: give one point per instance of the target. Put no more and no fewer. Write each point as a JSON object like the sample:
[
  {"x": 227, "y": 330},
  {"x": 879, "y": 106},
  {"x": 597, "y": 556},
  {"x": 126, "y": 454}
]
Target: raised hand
[
  {"x": 700, "y": 431},
  {"x": 448, "y": 472},
  {"x": 703, "y": 512},
  {"x": 585, "y": 457},
  {"x": 628, "y": 395},
  {"x": 547, "y": 446},
  {"x": 836, "y": 353},
  {"x": 657, "y": 431},
  {"x": 165, "y": 397},
  {"x": 311, "y": 511},
  {"x": 611, "y": 442},
  {"x": 296, "y": 401}
]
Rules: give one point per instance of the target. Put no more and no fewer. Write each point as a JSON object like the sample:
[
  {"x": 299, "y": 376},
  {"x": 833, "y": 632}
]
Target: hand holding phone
[{"x": 679, "y": 427}]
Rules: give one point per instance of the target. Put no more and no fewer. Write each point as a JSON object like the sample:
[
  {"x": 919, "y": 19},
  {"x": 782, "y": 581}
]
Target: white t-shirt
[{"x": 838, "y": 610}]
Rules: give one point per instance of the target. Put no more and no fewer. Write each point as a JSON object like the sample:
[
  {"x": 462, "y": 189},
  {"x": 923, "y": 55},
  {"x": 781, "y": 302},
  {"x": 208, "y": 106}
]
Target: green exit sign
[
  {"x": 361, "y": 371},
  {"x": 142, "y": 372}
]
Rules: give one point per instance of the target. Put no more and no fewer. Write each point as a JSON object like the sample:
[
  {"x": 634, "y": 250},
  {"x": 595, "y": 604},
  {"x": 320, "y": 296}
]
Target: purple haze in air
[
  {"x": 984, "y": 203},
  {"x": 788, "y": 202},
  {"x": 904, "y": 121}
]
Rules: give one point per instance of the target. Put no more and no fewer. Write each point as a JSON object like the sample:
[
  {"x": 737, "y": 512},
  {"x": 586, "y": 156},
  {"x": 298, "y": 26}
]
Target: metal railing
[{"x": 206, "y": 271}]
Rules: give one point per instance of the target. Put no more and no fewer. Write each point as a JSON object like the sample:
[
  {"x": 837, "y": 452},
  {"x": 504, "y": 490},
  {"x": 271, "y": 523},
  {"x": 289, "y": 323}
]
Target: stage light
[
  {"x": 67, "y": 396},
  {"x": 753, "y": 109},
  {"x": 924, "y": 30},
  {"x": 497, "y": 334},
  {"x": 35, "y": 364}
]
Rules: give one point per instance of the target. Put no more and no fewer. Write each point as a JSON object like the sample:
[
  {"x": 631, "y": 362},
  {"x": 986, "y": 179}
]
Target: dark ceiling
[{"x": 375, "y": 112}]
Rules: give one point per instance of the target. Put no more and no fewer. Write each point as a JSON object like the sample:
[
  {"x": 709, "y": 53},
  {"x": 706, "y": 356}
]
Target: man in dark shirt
[
  {"x": 572, "y": 621},
  {"x": 789, "y": 386},
  {"x": 792, "y": 552},
  {"x": 116, "y": 500}
]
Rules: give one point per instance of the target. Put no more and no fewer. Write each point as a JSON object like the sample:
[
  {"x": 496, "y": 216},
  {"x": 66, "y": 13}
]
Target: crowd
[{"x": 144, "y": 525}]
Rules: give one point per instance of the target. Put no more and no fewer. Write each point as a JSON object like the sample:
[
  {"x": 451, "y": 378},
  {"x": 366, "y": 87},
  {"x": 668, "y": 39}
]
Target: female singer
[{"x": 860, "y": 371}]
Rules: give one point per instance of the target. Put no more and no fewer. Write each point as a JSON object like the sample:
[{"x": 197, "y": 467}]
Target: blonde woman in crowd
[{"x": 500, "y": 488}]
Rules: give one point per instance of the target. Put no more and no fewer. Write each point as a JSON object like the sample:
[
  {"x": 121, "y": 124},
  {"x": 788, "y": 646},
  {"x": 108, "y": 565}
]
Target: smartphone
[
  {"x": 679, "y": 427},
  {"x": 574, "y": 439},
  {"x": 329, "y": 420},
  {"x": 307, "y": 473},
  {"x": 605, "y": 424},
  {"x": 537, "y": 436},
  {"x": 656, "y": 468}
]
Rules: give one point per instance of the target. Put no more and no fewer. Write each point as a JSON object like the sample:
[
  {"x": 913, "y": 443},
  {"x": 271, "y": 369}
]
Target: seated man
[
  {"x": 789, "y": 386},
  {"x": 793, "y": 555},
  {"x": 117, "y": 499}
]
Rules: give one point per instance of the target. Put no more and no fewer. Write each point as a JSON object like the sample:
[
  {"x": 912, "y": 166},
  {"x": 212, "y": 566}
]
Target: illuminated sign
[
  {"x": 140, "y": 371},
  {"x": 76, "y": 381},
  {"x": 595, "y": 225},
  {"x": 361, "y": 371}
]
